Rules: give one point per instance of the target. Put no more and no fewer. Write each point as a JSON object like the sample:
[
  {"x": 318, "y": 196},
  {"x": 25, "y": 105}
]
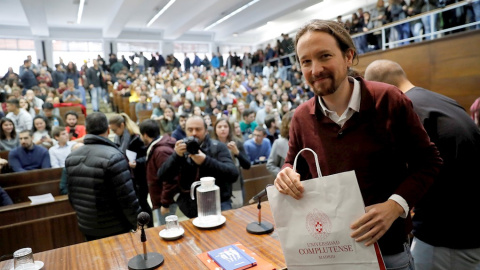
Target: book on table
[
  {"x": 260, "y": 263},
  {"x": 232, "y": 257}
]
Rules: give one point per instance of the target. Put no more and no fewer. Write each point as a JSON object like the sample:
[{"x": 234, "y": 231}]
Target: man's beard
[{"x": 322, "y": 91}]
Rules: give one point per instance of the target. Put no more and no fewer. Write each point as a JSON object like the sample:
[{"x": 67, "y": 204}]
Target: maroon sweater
[
  {"x": 161, "y": 190},
  {"x": 384, "y": 143}
]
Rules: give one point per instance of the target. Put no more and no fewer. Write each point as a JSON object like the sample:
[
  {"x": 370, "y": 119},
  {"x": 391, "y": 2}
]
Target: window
[
  {"x": 14, "y": 51},
  {"x": 78, "y": 52},
  {"x": 201, "y": 49}
]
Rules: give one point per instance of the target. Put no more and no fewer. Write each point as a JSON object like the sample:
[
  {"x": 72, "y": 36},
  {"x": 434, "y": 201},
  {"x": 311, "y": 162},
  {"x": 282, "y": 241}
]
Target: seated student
[
  {"x": 41, "y": 132},
  {"x": 28, "y": 156},
  {"x": 179, "y": 132},
  {"x": 8, "y": 135},
  {"x": 59, "y": 152},
  {"x": 143, "y": 104},
  {"x": 258, "y": 148},
  {"x": 63, "y": 179},
  {"x": 76, "y": 132},
  {"x": 72, "y": 95},
  {"x": 272, "y": 123},
  {"x": 48, "y": 111},
  {"x": 248, "y": 124},
  {"x": 22, "y": 120}
]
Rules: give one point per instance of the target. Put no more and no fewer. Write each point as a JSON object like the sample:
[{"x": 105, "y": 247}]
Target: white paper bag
[{"x": 315, "y": 230}]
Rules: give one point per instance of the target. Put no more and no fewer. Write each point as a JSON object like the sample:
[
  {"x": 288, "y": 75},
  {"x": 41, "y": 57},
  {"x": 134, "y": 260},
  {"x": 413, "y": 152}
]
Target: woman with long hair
[
  {"x": 128, "y": 138},
  {"x": 8, "y": 135},
  {"x": 280, "y": 146},
  {"x": 169, "y": 122},
  {"x": 157, "y": 113},
  {"x": 24, "y": 104},
  {"x": 41, "y": 132},
  {"x": 186, "y": 107},
  {"x": 224, "y": 132}
]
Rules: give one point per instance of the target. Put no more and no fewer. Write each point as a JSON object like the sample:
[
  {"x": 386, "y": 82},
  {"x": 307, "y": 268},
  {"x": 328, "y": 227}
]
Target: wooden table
[{"x": 114, "y": 252}]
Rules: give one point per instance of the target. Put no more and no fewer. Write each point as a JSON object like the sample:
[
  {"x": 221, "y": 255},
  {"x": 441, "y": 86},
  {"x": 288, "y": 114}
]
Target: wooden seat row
[
  {"x": 255, "y": 180},
  {"x": 39, "y": 226}
]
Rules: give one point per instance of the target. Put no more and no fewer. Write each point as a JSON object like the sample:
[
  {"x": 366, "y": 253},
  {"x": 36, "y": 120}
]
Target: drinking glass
[
  {"x": 172, "y": 225},
  {"x": 23, "y": 259}
]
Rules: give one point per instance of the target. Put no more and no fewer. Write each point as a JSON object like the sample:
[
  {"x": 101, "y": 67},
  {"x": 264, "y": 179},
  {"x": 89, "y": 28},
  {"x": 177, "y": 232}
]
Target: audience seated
[
  {"x": 28, "y": 156},
  {"x": 76, "y": 132},
  {"x": 258, "y": 148},
  {"x": 62, "y": 149},
  {"x": 20, "y": 118},
  {"x": 8, "y": 135}
]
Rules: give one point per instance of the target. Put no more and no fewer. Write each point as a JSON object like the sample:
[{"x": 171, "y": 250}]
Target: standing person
[
  {"x": 100, "y": 187},
  {"x": 458, "y": 140},
  {"x": 20, "y": 118},
  {"x": 94, "y": 78},
  {"x": 58, "y": 76},
  {"x": 159, "y": 148},
  {"x": 28, "y": 77},
  {"x": 224, "y": 134},
  {"x": 58, "y": 153},
  {"x": 8, "y": 136},
  {"x": 280, "y": 146},
  {"x": 213, "y": 159},
  {"x": 186, "y": 63},
  {"x": 368, "y": 127},
  {"x": 28, "y": 156},
  {"x": 127, "y": 137}
]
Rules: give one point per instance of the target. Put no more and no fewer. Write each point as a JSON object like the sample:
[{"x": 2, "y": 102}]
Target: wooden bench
[
  {"x": 29, "y": 177},
  {"x": 143, "y": 115},
  {"x": 126, "y": 105},
  {"x": 20, "y": 193},
  {"x": 40, "y": 226},
  {"x": 4, "y": 154},
  {"x": 255, "y": 180},
  {"x": 131, "y": 110},
  {"x": 64, "y": 110}
]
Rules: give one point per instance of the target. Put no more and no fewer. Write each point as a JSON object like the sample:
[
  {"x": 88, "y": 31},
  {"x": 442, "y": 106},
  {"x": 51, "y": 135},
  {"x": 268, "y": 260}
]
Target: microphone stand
[
  {"x": 145, "y": 261},
  {"x": 260, "y": 227}
]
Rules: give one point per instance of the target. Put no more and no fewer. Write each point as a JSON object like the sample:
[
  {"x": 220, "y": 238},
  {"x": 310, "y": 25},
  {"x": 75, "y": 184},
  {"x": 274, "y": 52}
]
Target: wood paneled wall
[{"x": 449, "y": 66}]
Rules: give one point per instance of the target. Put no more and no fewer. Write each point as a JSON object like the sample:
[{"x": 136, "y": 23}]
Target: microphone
[
  {"x": 260, "y": 227},
  {"x": 148, "y": 260},
  {"x": 259, "y": 195},
  {"x": 143, "y": 218}
]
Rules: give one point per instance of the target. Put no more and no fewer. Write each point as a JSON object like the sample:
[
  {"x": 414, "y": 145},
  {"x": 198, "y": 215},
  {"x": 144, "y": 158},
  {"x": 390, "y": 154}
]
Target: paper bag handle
[{"x": 319, "y": 172}]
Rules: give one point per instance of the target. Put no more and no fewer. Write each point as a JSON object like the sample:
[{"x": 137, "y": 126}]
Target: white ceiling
[{"x": 185, "y": 20}]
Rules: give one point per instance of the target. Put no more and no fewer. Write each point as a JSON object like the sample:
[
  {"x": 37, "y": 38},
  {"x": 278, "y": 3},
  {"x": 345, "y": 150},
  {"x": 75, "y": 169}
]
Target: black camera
[
  {"x": 73, "y": 133},
  {"x": 193, "y": 145}
]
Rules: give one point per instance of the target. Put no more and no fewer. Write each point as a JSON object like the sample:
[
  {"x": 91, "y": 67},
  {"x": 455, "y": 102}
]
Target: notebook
[{"x": 261, "y": 264}]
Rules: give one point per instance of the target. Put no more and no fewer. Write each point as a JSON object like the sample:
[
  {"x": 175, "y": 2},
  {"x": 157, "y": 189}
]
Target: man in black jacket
[
  {"x": 213, "y": 159},
  {"x": 100, "y": 186}
]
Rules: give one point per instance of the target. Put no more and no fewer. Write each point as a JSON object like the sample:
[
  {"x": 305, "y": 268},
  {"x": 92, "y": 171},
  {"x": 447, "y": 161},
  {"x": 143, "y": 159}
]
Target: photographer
[
  {"x": 198, "y": 156},
  {"x": 76, "y": 132}
]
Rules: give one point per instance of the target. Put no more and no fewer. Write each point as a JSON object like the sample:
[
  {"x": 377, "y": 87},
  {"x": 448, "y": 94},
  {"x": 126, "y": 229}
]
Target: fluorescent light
[
  {"x": 160, "y": 12},
  {"x": 80, "y": 11},
  {"x": 230, "y": 15}
]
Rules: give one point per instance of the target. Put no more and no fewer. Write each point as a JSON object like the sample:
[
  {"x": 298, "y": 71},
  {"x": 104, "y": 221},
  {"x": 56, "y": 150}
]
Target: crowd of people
[
  {"x": 392, "y": 11},
  {"x": 238, "y": 117}
]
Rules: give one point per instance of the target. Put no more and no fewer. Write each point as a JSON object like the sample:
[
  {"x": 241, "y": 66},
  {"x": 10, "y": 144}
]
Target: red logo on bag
[{"x": 318, "y": 224}]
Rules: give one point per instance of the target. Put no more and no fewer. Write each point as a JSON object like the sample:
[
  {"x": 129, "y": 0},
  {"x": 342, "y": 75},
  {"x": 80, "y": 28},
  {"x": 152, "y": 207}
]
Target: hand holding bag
[{"x": 315, "y": 230}]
